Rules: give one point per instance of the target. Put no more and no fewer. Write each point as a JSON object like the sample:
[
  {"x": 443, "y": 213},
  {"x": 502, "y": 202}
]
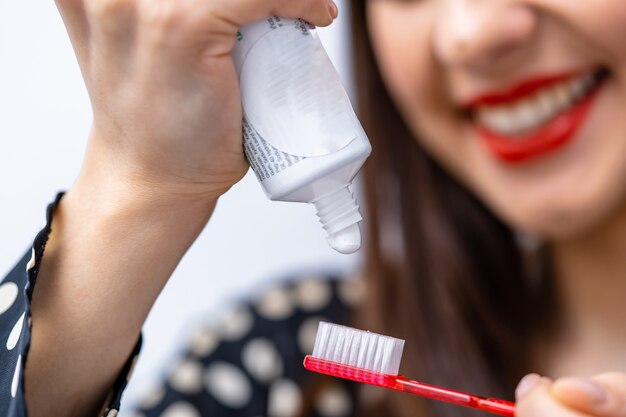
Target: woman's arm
[
  {"x": 165, "y": 144},
  {"x": 109, "y": 255}
]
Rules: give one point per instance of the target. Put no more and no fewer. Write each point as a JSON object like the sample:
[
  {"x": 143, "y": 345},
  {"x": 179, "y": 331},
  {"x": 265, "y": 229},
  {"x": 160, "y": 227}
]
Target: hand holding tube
[
  {"x": 165, "y": 144},
  {"x": 167, "y": 113}
]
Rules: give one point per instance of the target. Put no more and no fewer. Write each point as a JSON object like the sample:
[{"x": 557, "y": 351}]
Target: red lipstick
[
  {"x": 545, "y": 137},
  {"x": 520, "y": 90}
]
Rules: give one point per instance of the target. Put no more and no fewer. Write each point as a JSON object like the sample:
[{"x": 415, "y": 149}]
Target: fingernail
[
  {"x": 594, "y": 392},
  {"x": 526, "y": 384},
  {"x": 332, "y": 8}
]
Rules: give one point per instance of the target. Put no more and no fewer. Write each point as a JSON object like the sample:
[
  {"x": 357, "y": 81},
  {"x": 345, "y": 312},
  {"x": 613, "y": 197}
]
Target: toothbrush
[{"x": 374, "y": 359}]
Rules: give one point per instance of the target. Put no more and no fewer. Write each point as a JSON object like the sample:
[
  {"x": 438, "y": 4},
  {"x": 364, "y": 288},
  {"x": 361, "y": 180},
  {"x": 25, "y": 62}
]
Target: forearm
[{"x": 110, "y": 253}]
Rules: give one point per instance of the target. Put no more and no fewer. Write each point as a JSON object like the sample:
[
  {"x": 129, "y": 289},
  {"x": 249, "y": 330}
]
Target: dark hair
[{"x": 443, "y": 272}]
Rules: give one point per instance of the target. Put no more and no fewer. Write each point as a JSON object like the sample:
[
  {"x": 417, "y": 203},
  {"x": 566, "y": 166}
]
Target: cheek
[
  {"x": 401, "y": 39},
  {"x": 608, "y": 27},
  {"x": 601, "y": 22}
]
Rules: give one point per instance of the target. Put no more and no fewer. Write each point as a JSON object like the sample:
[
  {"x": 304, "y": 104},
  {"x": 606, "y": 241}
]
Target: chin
[
  {"x": 561, "y": 218},
  {"x": 560, "y": 224}
]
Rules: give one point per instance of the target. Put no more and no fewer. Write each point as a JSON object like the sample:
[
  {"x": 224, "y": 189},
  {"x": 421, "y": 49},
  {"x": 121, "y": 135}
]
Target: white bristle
[{"x": 358, "y": 348}]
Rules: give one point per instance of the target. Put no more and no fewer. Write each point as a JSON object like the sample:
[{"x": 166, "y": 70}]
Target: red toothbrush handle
[
  {"x": 492, "y": 405},
  {"x": 400, "y": 383}
]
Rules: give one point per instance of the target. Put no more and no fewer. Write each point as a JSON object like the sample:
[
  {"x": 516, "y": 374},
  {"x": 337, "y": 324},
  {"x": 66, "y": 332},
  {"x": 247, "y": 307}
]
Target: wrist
[
  {"x": 115, "y": 182},
  {"x": 159, "y": 173},
  {"x": 136, "y": 205}
]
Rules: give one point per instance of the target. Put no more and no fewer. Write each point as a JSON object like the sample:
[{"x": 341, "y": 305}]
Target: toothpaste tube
[{"x": 300, "y": 133}]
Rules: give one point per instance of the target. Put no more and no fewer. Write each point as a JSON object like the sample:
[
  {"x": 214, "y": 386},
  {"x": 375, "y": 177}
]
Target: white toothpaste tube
[{"x": 300, "y": 133}]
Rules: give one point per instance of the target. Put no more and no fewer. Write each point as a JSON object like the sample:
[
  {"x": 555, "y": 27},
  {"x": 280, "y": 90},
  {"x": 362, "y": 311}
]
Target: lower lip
[{"x": 544, "y": 140}]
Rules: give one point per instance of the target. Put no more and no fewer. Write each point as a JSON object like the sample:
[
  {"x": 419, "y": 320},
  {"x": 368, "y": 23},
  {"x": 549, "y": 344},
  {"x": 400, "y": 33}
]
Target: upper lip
[{"x": 519, "y": 89}]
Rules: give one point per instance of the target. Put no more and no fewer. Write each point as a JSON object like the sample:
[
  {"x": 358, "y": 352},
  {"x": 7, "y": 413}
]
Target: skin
[
  {"x": 166, "y": 143},
  {"x": 434, "y": 56}
]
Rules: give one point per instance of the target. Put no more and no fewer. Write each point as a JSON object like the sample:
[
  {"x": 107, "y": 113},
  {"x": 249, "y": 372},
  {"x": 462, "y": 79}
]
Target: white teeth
[
  {"x": 577, "y": 88},
  {"x": 531, "y": 112},
  {"x": 562, "y": 97},
  {"x": 545, "y": 104},
  {"x": 526, "y": 114}
]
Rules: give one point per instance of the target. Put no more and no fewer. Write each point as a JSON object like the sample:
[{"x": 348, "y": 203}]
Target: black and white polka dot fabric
[{"x": 249, "y": 363}]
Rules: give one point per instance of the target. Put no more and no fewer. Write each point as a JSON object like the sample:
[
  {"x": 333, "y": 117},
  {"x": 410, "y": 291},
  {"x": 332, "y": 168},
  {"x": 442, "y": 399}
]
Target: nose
[{"x": 483, "y": 34}]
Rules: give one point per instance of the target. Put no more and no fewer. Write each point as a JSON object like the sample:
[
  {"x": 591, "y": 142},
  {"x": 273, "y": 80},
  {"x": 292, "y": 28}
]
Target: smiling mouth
[{"x": 537, "y": 116}]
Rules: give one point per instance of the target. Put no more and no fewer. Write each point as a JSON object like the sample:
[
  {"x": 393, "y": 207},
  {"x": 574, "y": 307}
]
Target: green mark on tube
[{"x": 239, "y": 35}]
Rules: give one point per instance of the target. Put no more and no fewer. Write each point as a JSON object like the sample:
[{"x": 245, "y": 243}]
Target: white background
[{"x": 44, "y": 120}]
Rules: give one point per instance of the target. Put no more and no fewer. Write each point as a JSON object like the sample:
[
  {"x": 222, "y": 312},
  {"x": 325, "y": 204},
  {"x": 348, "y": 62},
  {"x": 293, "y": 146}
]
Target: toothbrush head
[
  {"x": 374, "y": 359},
  {"x": 358, "y": 348}
]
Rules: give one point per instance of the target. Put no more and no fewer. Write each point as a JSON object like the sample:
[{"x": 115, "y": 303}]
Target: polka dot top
[{"x": 248, "y": 363}]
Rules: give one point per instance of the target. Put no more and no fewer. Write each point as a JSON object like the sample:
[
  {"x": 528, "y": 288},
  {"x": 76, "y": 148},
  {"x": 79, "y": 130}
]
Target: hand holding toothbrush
[
  {"x": 602, "y": 395},
  {"x": 374, "y": 359}
]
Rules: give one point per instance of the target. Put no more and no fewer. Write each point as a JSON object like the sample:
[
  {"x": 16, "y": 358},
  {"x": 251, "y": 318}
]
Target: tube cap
[{"x": 339, "y": 214}]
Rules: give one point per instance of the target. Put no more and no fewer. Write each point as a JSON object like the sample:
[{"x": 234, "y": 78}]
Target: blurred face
[{"x": 523, "y": 100}]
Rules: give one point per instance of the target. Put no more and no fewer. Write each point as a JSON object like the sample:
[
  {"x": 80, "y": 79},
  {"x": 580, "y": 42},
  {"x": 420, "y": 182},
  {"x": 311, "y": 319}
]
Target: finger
[
  {"x": 526, "y": 384},
  {"x": 202, "y": 29},
  {"x": 603, "y": 395},
  {"x": 539, "y": 401},
  {"x": 112, "y": 21},
  {"x": 74, "y": 17},
  {"x": 615, "y": 384},
  {"x": 113, "y": 28},
  {"x": 197, "y": 20},
  {"x": 241, "y": 12},
  {"x": 529, "y": 382}
]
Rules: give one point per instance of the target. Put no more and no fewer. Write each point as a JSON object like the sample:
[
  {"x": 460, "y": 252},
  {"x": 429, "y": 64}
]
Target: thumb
[{"x": 603, "y": 395}]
